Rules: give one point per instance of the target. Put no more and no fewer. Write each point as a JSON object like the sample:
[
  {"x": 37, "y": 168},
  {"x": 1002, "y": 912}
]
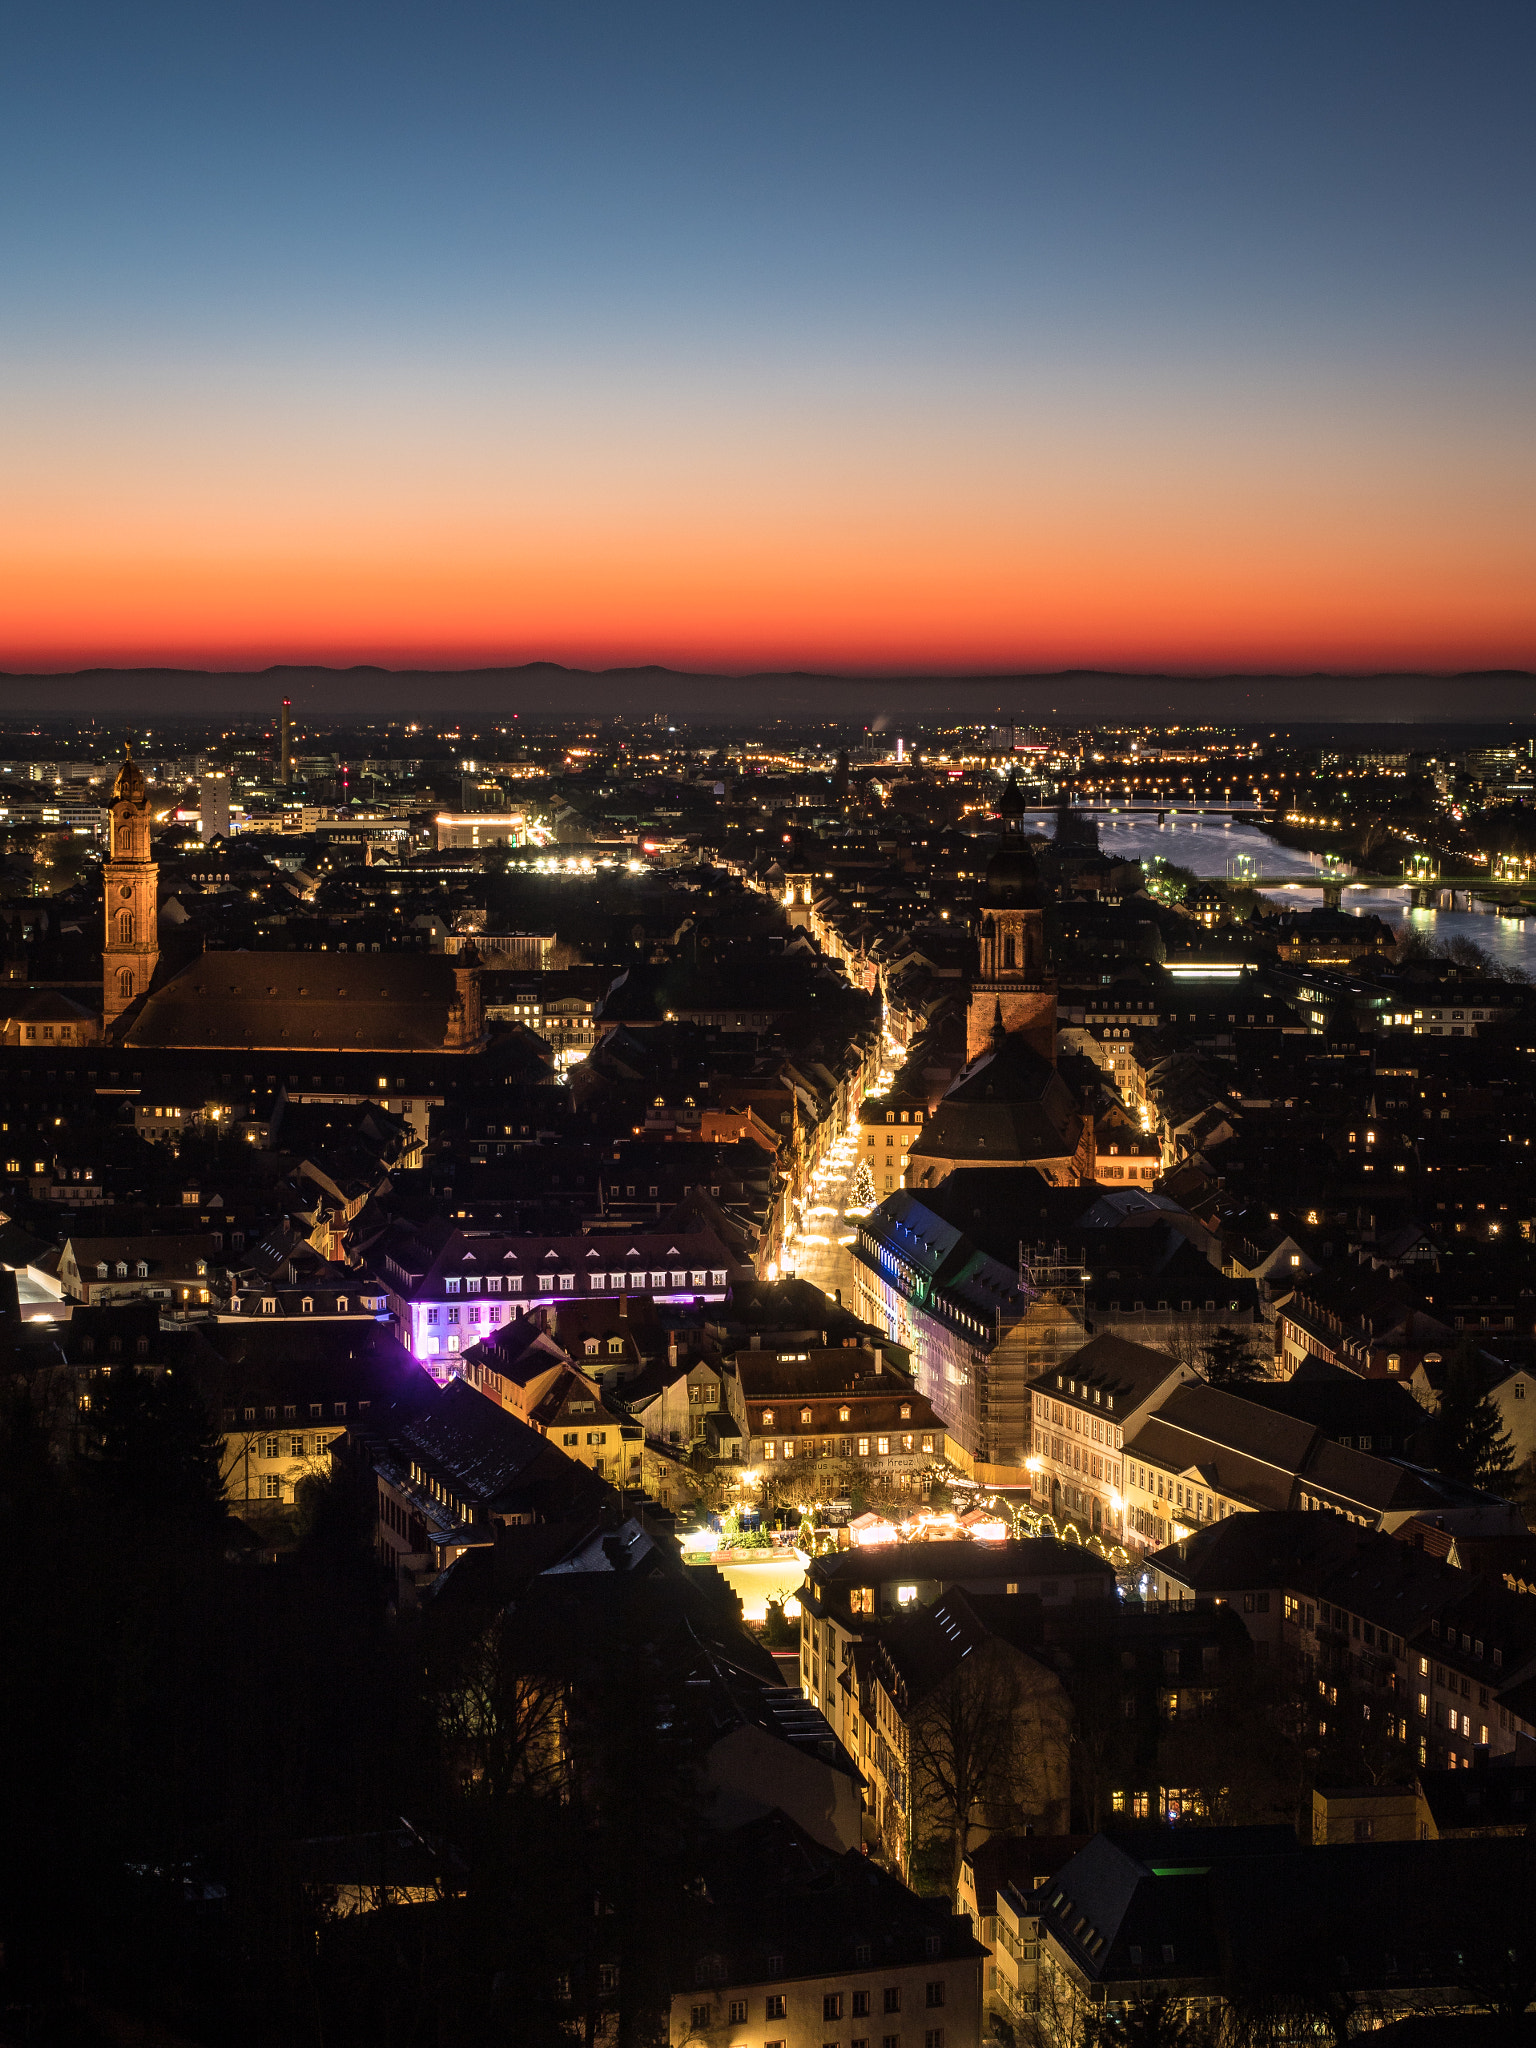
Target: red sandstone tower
[
  {"x": 1013, "y": 981},
  {"x": 130, "y": 937}
]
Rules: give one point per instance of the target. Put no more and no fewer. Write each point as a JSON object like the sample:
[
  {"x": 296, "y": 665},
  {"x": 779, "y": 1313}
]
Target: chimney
[
  {"x": 756, "y": 1343},
  {"x": 672, "y": 1349},
  {"x": 879, "y": 1359},
  {"x": 623, "y": 1307}
]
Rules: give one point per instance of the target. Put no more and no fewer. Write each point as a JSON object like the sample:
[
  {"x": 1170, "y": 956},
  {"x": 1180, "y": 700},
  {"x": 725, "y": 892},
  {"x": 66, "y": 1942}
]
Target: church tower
[
  {"x": 1014, "y": 987},
  {"x": 130, "y": 942}
]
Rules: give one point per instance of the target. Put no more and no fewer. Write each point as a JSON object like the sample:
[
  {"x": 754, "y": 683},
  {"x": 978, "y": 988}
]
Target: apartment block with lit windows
[
  {"x": 172, "y": 1270},
  {"x": 855, "y": 1592},
  {"x": 286, "y": 1397},
  {"x": 888, "y": 1129},
  {"x": 1207, "y": 1453},
  {"x": 1373, "y": 1634},
  {"x": 1001, "y": 1889},
  {"x": 841, "y": 1401},
  {"x": 787, "y": 1944},
  {"x": 1083, "y": 1414}
]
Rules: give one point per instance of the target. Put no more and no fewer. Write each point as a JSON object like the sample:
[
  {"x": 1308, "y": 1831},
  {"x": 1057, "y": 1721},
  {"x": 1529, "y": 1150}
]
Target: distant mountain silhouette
[{"x": 544, "y": 688}]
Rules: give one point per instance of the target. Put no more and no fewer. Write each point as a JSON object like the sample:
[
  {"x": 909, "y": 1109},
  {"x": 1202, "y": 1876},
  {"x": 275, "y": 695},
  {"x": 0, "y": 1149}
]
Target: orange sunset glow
[{"x": 1025, "y": 348}]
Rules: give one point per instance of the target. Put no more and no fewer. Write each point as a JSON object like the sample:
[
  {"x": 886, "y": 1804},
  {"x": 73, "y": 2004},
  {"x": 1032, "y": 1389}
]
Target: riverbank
[{"x": 1223, "y": 848}]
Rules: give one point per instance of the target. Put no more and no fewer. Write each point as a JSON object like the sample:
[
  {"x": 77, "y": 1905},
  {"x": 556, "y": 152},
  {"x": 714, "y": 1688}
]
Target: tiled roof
[
  {"x": 471, "y": 1255},
  {"x": 1131, "y": 1372},
  {"x": 302, "y": 1002},
  {"x": 160, "y": 1254},
  {"x": 488, "y": 1453},
  {"x": 765, "y": 1376}
]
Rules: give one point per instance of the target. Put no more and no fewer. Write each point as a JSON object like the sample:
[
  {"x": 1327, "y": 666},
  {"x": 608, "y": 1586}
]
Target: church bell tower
[
  {"x": 1014, "y": 989},
  {"x": 130, "y": 941}
]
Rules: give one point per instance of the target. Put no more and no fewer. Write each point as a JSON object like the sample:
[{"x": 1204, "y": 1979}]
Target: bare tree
[
  {"x": 1493, "y": 1941},
  {"x": 983, "y": 1745},
  {"x": 1161, "y": 2020},
  {"x": 1310, "y": 2000},
  {"x": 1103, "y": 1736},
  {"x": 1240, "y": 1755},
  {"x": 500, "y": 1720}
]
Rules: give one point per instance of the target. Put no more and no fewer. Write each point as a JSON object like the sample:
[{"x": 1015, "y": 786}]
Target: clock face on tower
[{"x": 125, "y": 891}]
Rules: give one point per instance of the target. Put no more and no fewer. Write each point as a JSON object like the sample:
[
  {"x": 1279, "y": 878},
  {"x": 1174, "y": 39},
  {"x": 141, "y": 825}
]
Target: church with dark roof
[
  {"x": 259, "y": 1001},
  {"x": 1010, "y": 1107}
]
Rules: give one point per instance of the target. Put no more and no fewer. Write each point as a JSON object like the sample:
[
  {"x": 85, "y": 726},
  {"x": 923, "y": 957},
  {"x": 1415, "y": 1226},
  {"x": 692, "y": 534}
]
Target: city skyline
[
  {"x": 1022, "y": 341},
  {"x": 767, "y": 1023}
]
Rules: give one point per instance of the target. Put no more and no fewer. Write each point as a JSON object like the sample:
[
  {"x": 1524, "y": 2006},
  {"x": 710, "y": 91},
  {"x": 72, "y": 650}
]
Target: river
[{"x": 1209, "y": 845}]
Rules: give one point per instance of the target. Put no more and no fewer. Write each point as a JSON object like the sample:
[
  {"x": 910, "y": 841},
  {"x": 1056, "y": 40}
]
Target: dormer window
[
  {"x": 451, "y": 1286},
  {"x": 845, "y": 1414},
  {"x": 767, "y": 1418},
  {"x": 906, "y": 1411},
  {"x": 805, "y": 1414}
]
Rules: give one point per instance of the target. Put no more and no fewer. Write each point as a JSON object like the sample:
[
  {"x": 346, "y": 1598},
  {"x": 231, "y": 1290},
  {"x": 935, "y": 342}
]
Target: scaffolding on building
[
  {"x": 1053, "y": 1326},
  {"x": 1057, "y": 1323}
]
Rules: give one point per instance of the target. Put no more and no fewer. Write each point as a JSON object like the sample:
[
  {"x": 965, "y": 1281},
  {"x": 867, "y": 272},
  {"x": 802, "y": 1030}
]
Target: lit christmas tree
[{"x": 863, "y": 1187}]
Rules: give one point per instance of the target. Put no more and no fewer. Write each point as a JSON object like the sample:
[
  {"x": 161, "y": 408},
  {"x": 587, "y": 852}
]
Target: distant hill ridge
[{"x": 541, "y": 689}]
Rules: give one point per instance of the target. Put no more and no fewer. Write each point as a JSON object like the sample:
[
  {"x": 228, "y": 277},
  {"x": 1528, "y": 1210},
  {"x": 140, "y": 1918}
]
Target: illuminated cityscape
[
  {"x": 767, "y": 1025},
  {"x": 759, "y": 1254}
]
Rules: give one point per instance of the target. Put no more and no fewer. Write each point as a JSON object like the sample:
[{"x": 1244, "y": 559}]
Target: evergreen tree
[
  {"x": 1230, "y": 1359},
  {"x": 154, "y": 1448},
  {"x": 1470, "y": 1441},
  {"x": 864, "y": 1187}
]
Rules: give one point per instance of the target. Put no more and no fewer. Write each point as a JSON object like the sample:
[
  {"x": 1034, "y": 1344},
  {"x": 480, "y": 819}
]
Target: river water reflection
[{"x": 1209, "y": 845}]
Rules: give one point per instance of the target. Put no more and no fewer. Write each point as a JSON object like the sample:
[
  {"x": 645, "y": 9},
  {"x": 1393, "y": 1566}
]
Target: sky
[{"x": 851, "y": 337}]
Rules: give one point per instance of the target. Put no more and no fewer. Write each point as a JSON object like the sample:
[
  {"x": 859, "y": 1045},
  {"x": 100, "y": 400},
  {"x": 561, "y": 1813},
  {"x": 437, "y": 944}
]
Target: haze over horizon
[{"x": 1002, "y": 339}]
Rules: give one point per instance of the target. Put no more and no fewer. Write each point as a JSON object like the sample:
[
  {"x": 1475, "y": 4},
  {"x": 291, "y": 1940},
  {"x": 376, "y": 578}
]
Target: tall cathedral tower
[
  {"x": 130, "y": 942},
  {"x": 1013, "y": 985}
]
